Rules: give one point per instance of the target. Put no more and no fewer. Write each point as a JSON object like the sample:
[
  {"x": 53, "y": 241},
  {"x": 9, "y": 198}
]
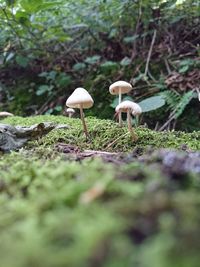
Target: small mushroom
[
  {"x": 129, "y": 107},
  {"x": 70, "y": 112},
  {"x": 80, "y": 99},
  {"x": 5, "y": 114},
  {"x": 119, "y": 88}
]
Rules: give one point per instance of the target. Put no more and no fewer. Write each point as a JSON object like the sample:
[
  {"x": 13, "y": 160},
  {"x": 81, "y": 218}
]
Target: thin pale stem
[
  {"x": 83, "y": 121},
  {"x": 120, "y": 95},
  {"x": 120, "y": 114},
  {"x": 150, "y": 52},
  {"x": 133, "y": 134}
]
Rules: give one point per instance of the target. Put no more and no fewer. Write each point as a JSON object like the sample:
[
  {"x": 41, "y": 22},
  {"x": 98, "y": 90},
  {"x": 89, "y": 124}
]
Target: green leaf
[
  {"x": 92, "y": 60},
  {"x": 130, "y": 39},
  {"x": 141, "y": 77},
  {"x": 185, "y": 62},
  {"x": 49, "y": 111},
  {"x": 79, "y": 66},
  {"x": 52, "y": 75},
  {"x": 49, "y": 5},
  {"x": 31, "y": 6},
  {"x": 184, "y": 101},
  {"x": 125, "y": 61},
  {"x": 113, "y": 33},
  {"x": 22, "y": 61},
  {"x": 152, "y": 103},
  {"x": 109, "y": 65},
  {"x": 63, "y": 80},
  {"x": 9, "y": 56},
  {"x": 184, "y": 69},
  {"x": 48, "y": 75},
  {"x": 43, "y": 74},
  {"x": 42, "y": 89},
  {"x": 75, "y": 26},
  {"x": 116, "y": 101},
  {"x": 58, "y": 108},
  {"x": 22, "y": 17}
]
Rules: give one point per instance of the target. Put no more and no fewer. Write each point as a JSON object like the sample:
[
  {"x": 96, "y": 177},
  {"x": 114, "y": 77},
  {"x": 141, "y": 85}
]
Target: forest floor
[{"x": 106, "y": 201}]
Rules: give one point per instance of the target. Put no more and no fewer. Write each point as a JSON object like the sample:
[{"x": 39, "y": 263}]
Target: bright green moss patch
[{"x": 106, "y": 135}]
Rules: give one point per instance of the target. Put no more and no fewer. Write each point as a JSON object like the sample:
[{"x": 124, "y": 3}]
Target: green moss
[
  {"x": 59, "y": 213},
  {"x": 106, "y": 135},
  {"x": 46, "y": 222}
]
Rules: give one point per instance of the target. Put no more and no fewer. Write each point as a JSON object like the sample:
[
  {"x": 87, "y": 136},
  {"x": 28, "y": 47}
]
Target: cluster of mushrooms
[{"x": 81, "y": 99}]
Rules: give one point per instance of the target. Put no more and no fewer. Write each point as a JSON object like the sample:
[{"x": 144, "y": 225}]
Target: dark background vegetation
[{"x": 48, "y": 48}]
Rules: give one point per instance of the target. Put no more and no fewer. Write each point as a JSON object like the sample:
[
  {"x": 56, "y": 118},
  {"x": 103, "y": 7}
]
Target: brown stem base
[{"x": 133, "y": 134}]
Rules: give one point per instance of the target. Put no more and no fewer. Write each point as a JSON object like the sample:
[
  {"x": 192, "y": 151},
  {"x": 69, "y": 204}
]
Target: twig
[
  {"x": 167, "y": 66},
  {"x": 172, "y": 116},
  {"x": 174, "y": 124},
  {"x": 166, "y": 123},
  {"x": 98, "y": 152},
  {"x": 116, "y": 140},
  {"x": 150, "y": 52},
  {"x": 156, "y": 126},
  {"x": 151, "y": 76},
  {"x": 134, "y": 50}
]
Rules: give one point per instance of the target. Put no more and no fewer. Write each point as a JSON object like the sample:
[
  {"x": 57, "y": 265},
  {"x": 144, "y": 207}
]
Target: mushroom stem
[
  {"x": 120, "y": 114},
  {"x": 120, "y": 95},
  {"x": 83, "y": 121},
  {"x": 133, "y": 134}
]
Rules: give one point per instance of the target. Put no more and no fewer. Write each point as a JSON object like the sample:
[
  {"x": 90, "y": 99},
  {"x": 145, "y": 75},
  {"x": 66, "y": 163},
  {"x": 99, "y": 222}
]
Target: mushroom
[
  {"x": 129, "y": 107},
  {"x": 119, "y": 88},
  {"x": 5, "y": 114},
  {"x": 80, "y": 99},
  {"x": 70, "y": 112}
]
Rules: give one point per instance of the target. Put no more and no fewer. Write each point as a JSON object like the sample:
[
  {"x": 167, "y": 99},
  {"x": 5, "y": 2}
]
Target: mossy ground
[
  {"x": 106, "y": 135},
  {"x": 60, "y": 213}
]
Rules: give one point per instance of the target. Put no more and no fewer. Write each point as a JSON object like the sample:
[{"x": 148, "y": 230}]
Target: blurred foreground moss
[{"x": 140, "y": 216}]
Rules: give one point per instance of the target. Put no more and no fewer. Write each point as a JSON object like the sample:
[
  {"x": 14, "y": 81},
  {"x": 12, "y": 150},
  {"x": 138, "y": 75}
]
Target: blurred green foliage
[{"x": 55, "y": 46}]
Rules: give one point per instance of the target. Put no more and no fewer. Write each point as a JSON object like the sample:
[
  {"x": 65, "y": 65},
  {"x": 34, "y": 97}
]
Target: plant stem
[
  {"x": 133, "y": 134},
  {"x": 83, "y": 121},
  {"x": 120, "y": 114},
  {"x": 150, "y": 52}
]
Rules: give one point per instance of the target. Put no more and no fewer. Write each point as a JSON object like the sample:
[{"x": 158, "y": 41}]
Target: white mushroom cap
[
  {"x": 124, "y": 86},
  {"x": 70, "y": 110},
  {"x": 125, "y": 105},
  {"x": 80, "y": 97},
  {"x": 4, "y": 114}
]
